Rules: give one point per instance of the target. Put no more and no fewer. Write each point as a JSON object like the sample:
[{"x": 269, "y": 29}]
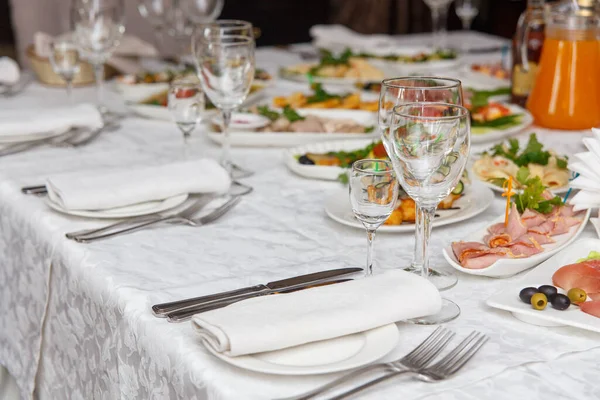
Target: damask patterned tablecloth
[{"x": 101, "y": 341}]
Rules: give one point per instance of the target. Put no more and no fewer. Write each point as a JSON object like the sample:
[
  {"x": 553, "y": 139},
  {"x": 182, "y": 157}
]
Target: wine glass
[
  {"x": 466, "y": 11},
  {"x": 98, "y": 29},
  {"x": 373, "y": 194},
  {"x": 227, "y": 27},
  {"x": 428, "y": 144},
  {"x": 439, "y": 21},
  {"x": 186, "y": 104},
  {"x": 202, "y": 11},
  {"x": 225, "y": 66},
  {"x": 154, "y": 11},
  {"x": 64, "y": 57},
  {"x": 397, "y": 91}
]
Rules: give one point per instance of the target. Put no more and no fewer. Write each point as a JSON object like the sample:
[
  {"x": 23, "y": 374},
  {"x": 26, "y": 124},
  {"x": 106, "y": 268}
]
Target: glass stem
[
  {"x": 99, "y": 72},
  {"x": 439, "y": 17},
  {"x": 370, "y": 239},
  {"x": 428, "y": 213},
  {"x": 69, "y": 91},
  {"x": 226, "y": 145},
  {"x": 417, "y": 264}
]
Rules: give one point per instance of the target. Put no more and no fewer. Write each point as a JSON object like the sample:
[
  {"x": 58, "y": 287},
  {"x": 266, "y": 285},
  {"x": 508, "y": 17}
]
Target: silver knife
[
  {"x": 161, "y": 310},
  {"x": 187, "y": 313}
]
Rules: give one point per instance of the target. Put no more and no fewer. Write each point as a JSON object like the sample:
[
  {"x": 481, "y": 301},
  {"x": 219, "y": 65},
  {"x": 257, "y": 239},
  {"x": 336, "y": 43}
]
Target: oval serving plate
[{"x": 507, "y": 267}]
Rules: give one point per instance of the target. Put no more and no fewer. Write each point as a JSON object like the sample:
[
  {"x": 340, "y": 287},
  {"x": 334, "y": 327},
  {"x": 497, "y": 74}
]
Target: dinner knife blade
[
  {"x": 160, "y": 310},
  {"x": 186, "y": 314}
]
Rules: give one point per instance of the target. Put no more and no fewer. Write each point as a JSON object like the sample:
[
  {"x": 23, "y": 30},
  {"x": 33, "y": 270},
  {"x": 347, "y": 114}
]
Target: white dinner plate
[
  {"x": 12, "y": 139},
  {"x": 482, "y": 135},
  {"x": 135, "y": 210},
  {"x": 286, "y": 139},
  {"x": 329, "y": 173},
  {"x": 326, "y": 356},
  {"x": 506, "y": 267},
  {"x": 477, "y": 199},
  {"x": 422, "y": 68},
  {"x": 508, "y": 298}
]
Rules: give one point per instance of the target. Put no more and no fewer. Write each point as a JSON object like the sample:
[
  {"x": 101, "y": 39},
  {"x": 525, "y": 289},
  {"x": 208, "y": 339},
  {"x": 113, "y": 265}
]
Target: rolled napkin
[
  {"x": 35, "y": 120},
  {"x": 338, "y": 36},
  {"x": 9, "y": 71},
  {"x": 279, "y": 321},
  {"x": 102, "y": 190},
  {"x": 587, "y": 165}
]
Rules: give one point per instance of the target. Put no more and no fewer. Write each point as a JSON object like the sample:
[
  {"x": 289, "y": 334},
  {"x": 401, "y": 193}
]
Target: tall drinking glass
[
  {"x": 186, "y": 104},
  {"x": 373, "y": 194},
  {"x": 439, "y": 21},
  {"x": 397, "y": 91},
  {"x": 428, "y": 144},
  {"x": 225, "y": 66},
  {"x": 64, "y": 58},
  {"x": 98, "y": 29}
]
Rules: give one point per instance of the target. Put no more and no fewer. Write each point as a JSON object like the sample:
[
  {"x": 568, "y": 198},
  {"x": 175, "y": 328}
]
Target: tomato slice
[
  {"x": 185, "y": 93},
  {"x": 379, "y": 150}
]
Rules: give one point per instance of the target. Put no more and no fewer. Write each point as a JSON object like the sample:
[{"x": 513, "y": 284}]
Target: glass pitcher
[{"x": 566, "y": 93}]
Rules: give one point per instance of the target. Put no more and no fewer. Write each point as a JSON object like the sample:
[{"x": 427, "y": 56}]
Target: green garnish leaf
[
  {"x": 369, "y": 129},
  {"x": 497, "y": 181},
  {"x": 502, "y": 122},
  {"x": 481, "y": 98},
  {"x": 343, "y": 178},
  {"x": 320, "y": 95},
  {"x": 291, "y": 114},
  {"x": 532, "y": 197},
  {"x": 267, "y": 112},
  {"x": 562, "y": 162},
  {"x": 522, "y": 175}
]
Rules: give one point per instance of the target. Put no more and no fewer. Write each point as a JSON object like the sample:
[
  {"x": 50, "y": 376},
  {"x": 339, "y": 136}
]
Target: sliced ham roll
[
  {"x": 532, "y": 218},
  {"x": 497, "y": 240}
]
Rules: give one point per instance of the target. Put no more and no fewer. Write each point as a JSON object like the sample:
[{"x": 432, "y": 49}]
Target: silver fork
[
  {"x": 184, "y": 217},
  {"x": 417, "y": 359},
  {"x": 443, "y": 369}
]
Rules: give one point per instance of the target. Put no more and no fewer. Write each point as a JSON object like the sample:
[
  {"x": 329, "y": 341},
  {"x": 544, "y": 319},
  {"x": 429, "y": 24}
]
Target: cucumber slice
[{"x": 460, "y": 187}]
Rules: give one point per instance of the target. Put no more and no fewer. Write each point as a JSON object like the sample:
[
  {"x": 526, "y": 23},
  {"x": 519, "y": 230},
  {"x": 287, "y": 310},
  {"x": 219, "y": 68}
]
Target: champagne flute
[
  {"x": 64, "y": 58},
  {"x": 225, "y": 66},
  {"x": 439, "y": 21},
  {"x": 397, "y": 91},
  {"x": 428, "y": 144},
  {"x": 186, "y": 104},
  {"x": 99, "y": 27},
  {"x": 373, "y": 193}
]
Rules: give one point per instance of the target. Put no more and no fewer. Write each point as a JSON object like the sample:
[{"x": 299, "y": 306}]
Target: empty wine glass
[
  {"x": 98, "y": 29},
  {"x": 154, "y": 11},
  {"x": 202, "y": 11},
  {"x": 466, "y": 11},
  {"x": 397, "y": 91},
  {"x": 225, "y": 66},
  {"x": 186, "y": 104},
  {"x": 439, "y": 21},
  {"x": 428, "y": 144},
  {"x": 373, "y": 194},
  {"x": 64, "y": 58}
]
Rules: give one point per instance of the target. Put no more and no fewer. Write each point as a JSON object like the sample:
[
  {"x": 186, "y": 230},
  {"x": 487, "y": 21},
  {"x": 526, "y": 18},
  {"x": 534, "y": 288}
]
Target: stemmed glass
[
  {"x": 225, "y": 66},
  {"x": 466, "y": 11},
  {"x": 186, "y": 104},
  {"x": 202, "y": 11},
  {"x": 99, "y": 27},
  {"x": 373, "y": 194},
  {"x": 439, "y": 21},
  {"x": 428, "y": 144},
  {"x": 64, "y": 58},
  {"x": 397, "y": 91},
  {"x": 154, "y": 11}
]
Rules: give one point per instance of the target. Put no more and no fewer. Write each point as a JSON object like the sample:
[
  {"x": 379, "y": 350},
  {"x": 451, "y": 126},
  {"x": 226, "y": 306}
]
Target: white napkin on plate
[
  {"x": 101, "y": 190},
  {"x": 587, "y": 165},
  {"x": 40, "y": 120},
  {"x": 337, "y": 37},
  {"x": 9, "y": 71},
  {"x": 284, "y": 320}
]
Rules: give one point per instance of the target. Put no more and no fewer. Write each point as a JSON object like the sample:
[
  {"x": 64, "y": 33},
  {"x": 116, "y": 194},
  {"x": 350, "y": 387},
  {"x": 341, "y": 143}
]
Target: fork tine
[
  {"x": 434, "y": 350},
  {"x": 450, "y": 356},
  {"x": 458, "y": 364},
  {"x": 425, "y": 343}
]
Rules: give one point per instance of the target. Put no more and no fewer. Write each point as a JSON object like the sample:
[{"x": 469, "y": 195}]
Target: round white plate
[
  {"x": 11, "y": 139},
  {"x": 327, "y": 356},
  {"x": 476, "y": 200},
  {"x": 482, "y": 135},
  {"x": 136, "y": 210},
  {"x": 506, "y": 267},
  {"x": 286, "y": 139},
  {"x": 243, "y": 121},
  {"x": 422, "y": 68},
  {"x": 329, "y": 173}
]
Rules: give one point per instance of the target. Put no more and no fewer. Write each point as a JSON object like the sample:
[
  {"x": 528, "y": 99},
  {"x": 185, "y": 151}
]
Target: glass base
[
  {"x": 441, "y": 279},
  {"x": 448, "y": 312},
  {"x": 236, "y": 171}
]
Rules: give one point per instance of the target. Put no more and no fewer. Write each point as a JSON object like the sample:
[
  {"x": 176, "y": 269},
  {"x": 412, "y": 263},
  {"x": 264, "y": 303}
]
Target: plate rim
[{"x": 500, "y": 134}]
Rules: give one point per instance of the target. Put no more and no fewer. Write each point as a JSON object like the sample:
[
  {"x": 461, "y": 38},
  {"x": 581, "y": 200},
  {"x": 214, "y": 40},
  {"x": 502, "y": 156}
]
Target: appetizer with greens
[
  {"x": 320, "y": 98},
  {"x": 344, "y": 66}
]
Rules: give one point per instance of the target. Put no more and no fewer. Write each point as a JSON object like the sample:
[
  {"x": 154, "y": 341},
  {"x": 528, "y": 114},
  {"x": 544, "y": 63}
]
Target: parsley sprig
[
  {"x": 533, "y": 153},
  {"x": 288, "y": 112},
  {"x": 320, "y": 94},
  {"x": 532, "y": 195}
]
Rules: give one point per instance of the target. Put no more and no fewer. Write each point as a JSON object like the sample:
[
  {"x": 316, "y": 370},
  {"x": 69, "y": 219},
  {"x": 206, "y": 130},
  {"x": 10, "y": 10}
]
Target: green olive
[
  {"x": 539, "y": 301},
  {"x": 577, "y": 295}
]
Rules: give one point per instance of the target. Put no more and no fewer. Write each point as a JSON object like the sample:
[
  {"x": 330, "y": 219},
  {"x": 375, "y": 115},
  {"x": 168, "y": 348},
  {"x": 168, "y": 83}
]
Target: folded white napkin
[
  {"x": 284, "y": 320},
  {"x": 587, "y": 165},
  {"x": 35, "y": 120},
  {"x": 101, "y": 190},
  {"x": 336, "y": 37},
  {"x": 9, "y": 71}
]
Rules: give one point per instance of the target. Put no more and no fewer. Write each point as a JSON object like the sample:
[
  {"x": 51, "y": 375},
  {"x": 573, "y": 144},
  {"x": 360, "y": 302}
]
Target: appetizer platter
[
  {"x": 537, "y": 225},
  {"x": 410, "y": 60},
  {"x": 506, "y": 160},
  {"x": 492, "y": 74},
  {"x": 293, "y": 127},
  {"x": 320, "y": 98},
  {"x": 564, "y": 290},
  {"x": 471, "y": 201}
]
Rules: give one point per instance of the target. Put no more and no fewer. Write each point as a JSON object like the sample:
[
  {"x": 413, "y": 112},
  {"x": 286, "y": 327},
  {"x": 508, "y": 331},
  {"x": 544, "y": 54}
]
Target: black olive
[
  {"x": 525, "y": 294},
  {"x": 548, "y": 290},
  {"x": 305, "y": 160},
  {"x": 560, "y": 302}
]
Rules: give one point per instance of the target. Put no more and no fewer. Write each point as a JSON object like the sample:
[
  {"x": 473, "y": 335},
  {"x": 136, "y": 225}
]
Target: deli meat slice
[
  {"x": 584, "y": 275},
  {"x": 591, "y": 307},
  {"x": 484, "y": 258},
  {"x": 515, "y": 227},
  {"x": 540, "y": 238},
  {"x": 532, "y": 218},
  {"x": 501, "y": 239},
  {"x": 458, "y": 248},
  {"x": 497, "y": 229}
]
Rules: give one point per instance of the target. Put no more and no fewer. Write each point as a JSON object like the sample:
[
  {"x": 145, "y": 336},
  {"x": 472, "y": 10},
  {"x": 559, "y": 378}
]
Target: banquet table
[{"x": 76, "y": 321}]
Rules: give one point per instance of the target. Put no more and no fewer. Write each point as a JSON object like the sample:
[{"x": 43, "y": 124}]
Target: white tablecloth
[{"x": 101, "y": 341}]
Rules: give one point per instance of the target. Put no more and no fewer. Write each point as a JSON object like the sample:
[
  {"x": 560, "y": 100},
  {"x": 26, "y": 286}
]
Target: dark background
[{"x": 287, "y": 21}]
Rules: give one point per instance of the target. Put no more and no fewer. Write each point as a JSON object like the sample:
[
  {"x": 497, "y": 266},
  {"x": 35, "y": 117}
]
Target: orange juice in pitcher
[{"x": 566, "y": 93}]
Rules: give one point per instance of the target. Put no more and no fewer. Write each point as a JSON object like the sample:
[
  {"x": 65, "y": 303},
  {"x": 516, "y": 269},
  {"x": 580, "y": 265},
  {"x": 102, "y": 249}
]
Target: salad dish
[
  {"x": 507, "y": 160},
  {"x": 564, "y": 290},
  {"x": 320, "y": 98}
]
